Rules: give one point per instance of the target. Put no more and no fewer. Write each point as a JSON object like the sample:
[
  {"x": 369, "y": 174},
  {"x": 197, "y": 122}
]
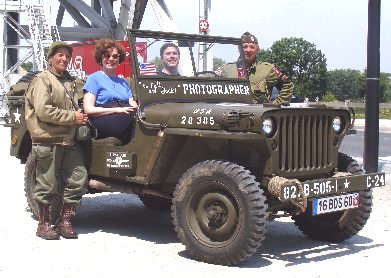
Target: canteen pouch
[{"x": 86, "y": 132}]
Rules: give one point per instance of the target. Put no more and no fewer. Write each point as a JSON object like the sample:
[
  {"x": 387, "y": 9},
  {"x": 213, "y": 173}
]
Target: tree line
[{"x": 307, "y": 67}]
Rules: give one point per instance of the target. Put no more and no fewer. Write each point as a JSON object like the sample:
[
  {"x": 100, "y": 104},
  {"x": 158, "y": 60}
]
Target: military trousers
[{"x": 60, "y": 170}]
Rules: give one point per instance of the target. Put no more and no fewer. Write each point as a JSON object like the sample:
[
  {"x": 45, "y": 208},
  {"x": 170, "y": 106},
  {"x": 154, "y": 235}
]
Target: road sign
[{"x": 204, "y": 25}]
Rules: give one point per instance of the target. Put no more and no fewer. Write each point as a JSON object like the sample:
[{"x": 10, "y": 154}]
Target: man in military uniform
[
  {"x": 263, "y": 76},
  {"x": 52, "y": 118}
]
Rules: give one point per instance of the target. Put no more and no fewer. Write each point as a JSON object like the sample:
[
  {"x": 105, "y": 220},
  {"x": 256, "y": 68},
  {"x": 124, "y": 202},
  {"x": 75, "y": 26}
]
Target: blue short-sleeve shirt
[{"x": 106, "y": 89}]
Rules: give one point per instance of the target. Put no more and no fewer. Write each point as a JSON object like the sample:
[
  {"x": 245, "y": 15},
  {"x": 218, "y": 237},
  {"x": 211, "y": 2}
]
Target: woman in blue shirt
[{"x": 108, "y": 100}]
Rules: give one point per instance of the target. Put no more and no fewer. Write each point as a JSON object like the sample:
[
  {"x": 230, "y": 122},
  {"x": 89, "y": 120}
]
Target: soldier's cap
[
  {"x": 56, "y": 45},
  {"x": 248, "y": 37}
]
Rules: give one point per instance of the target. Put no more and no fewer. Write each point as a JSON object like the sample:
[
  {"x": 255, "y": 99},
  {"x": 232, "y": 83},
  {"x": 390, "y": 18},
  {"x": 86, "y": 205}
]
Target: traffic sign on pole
[{"x": 204, "y": 25}]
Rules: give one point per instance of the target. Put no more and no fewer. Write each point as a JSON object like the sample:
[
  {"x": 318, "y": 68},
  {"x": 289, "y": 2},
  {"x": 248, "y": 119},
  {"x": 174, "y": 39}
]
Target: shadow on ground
[
  {"x": 284, "y": 242},
  {"x": 125, "y": 215}
]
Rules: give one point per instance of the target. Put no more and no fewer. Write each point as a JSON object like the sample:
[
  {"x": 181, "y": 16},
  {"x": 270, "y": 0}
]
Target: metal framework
[
  {"x": 92, "y": 21},
  {"x": 12, "y": 35}
]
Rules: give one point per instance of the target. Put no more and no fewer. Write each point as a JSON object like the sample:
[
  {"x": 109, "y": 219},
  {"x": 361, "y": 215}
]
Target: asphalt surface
[
  {"x": 119, "y": 237},
  {"x": 384, "y": 161}
]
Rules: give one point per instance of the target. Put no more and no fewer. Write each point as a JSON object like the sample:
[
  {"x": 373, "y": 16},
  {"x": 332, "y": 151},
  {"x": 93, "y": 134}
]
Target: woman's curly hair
[{"x": 106, "y": 46}]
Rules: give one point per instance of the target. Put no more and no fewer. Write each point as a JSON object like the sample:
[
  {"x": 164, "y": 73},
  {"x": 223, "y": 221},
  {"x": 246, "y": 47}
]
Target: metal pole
[
  {"x": 371, "y": 137},
  {"x": 205, "y": 59},
  {"x": 203, "y": 6}
]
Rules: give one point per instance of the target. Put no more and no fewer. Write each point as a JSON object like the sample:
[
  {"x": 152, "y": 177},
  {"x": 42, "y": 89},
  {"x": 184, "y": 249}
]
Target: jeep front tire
[
  {"x": 219, "y": 212},
  {"x": 340, "y": 225}
]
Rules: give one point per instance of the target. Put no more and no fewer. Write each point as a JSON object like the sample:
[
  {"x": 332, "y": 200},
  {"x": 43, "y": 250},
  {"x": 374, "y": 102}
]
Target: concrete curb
[
  {"x": 382, "y": 123},
  {"x": 384, "y": 163}
]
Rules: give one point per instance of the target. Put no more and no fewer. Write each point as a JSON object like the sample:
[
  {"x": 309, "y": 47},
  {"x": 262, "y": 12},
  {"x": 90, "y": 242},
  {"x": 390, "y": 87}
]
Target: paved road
[
  {"x": 119, "y": 237},
  {"x": 354, "y": 145}
]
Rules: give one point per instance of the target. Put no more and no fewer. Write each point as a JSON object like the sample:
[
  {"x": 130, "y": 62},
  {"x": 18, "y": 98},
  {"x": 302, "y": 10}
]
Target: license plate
[{"x": 334, "y": 203}]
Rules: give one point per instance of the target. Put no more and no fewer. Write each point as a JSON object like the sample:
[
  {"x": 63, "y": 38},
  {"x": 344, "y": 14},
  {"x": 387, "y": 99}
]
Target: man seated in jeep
[
  {"x": 170, "y": 56},
  {"x": 263, "y": 76}
]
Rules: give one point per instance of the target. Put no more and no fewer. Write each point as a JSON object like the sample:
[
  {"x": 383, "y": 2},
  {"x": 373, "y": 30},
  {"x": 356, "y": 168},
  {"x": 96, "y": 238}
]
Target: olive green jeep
[{"x": 223, "y": 165}]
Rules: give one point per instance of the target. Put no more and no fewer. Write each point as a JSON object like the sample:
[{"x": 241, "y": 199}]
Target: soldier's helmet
[
  {"x": 55, "y": 45},
  {"x": 248, "y": 37}
]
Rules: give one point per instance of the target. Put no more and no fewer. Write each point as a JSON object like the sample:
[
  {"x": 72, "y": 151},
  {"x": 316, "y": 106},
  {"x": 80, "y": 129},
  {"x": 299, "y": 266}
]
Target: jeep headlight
[
  {"x": 268, "y": 127},
  {"x": 337, "y": 124}
]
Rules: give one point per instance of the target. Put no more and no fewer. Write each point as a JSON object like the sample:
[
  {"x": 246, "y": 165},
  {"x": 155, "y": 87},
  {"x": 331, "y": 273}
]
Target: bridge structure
[{"x": 44, "y": 25}]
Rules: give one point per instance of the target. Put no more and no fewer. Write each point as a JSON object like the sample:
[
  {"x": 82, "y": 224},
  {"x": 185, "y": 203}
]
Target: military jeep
[{"x": 223, "y": 165}]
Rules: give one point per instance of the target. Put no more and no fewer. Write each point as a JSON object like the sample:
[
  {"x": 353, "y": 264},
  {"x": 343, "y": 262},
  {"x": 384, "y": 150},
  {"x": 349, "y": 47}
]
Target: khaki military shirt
[
  {"x": 49, "y": 111},
  {"x": 263, "y": 77}
]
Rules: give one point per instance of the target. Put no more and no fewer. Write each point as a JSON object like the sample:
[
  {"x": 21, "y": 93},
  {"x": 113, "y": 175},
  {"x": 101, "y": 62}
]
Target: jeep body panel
[{"x": 20, "y": 137}]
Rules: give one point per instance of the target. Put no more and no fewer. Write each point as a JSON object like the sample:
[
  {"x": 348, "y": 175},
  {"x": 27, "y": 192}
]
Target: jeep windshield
[{"x": 200, "y": 75}]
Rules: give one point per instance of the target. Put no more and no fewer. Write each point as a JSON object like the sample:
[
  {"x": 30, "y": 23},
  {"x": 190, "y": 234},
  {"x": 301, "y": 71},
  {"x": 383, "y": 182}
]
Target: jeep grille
[{"x": 304, "y": 142}]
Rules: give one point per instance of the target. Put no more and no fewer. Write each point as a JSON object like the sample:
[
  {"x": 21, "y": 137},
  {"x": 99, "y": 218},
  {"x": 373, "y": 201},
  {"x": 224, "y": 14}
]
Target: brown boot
[
  {"x": 45, "y": 230},
  {"x": 65, "y": 225}
]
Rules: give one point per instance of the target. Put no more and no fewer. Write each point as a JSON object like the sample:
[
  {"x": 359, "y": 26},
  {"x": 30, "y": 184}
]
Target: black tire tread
[
  {"x": 29, "y": 185},
  {"x": 338, "y": 226},
  {"x": 249, "y": 186}
]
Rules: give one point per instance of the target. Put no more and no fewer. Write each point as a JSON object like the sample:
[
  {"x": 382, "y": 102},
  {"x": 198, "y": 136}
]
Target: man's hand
[{"x": 81, "y": 118}]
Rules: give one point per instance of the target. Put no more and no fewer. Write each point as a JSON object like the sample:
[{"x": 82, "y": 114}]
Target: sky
[{"x": 338, "y": 28}]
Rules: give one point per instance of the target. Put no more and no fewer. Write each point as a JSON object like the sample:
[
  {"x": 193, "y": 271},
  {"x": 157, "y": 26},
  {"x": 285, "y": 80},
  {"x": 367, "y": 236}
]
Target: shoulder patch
[
  {"x": 277, "y": 72},
  {"x": 241, "y": 72}
]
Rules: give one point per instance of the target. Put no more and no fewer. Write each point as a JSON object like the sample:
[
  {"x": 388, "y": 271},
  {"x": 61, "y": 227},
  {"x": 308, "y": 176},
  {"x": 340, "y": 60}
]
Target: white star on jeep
[
  {"x": 346, "y": 183},
  {"x": 17, "y": 115}
]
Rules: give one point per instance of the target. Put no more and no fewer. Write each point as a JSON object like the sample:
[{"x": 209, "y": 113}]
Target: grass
[{"x": 384, "y": 113}]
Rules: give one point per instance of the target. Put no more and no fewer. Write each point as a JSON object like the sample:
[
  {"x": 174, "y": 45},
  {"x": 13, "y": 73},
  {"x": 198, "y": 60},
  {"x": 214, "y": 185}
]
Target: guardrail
[{"x": 349, "y": 104}]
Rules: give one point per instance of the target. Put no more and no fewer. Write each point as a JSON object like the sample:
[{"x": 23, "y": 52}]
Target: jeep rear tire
[
  {"x": 341, "y": 225},
  {"x": 155, "y": 202},
  {"x": 219, "y": 212},
  {"x": 29, "y": 185}
]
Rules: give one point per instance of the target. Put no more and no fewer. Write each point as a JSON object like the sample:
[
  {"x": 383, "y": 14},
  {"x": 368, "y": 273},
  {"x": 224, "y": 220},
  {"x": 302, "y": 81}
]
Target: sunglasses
[{"x": 114, "y": 56}]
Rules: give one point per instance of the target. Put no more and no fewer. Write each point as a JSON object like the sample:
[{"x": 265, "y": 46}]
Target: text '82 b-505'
[{"x": 334, "y": 185}]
